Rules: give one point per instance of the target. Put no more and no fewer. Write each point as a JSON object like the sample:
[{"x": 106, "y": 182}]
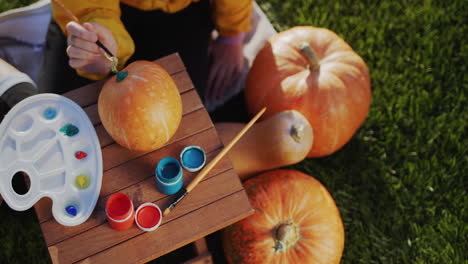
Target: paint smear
[
  {"x": 82, "y": 181},
  {"x": 50, "y": 113},
  {"x": 69, "y": 130}
]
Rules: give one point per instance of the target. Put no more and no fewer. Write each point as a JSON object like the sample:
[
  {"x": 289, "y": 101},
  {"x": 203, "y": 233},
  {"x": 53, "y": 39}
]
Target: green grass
[
  {"x": 400, "y": 183},
  {"x": 10, "y": 4}
]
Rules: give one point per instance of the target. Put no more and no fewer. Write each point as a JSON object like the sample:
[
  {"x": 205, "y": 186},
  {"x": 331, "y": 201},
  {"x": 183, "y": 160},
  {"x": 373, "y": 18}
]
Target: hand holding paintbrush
[{"x": 84, "y": 45}]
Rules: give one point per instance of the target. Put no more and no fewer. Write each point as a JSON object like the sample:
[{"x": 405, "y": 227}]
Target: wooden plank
[
  {"x": 115, "y": 155},
  {"x": 103, "y": 237},
  {"x": 172, "y": 63},
  {"x": 200, "y": 246},
  {"x": 93, "y": 115},
  {"x": 177, "y": 233},
  {"x": 87, "y": 95},
  {"x": 141, "y": 192},
  {"x": 140, "y": 168},
  {"x": 190, "y": 101}
]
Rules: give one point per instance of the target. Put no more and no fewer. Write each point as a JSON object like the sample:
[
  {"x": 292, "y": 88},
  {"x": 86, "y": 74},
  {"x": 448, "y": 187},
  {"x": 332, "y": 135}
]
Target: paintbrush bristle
[{"x": 166, "y": 212}]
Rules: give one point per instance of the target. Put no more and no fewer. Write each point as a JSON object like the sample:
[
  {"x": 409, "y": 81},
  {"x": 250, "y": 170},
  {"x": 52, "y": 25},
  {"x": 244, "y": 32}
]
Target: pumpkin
[
  {"x": 142, "y": 111},
  {"x": 280, "y": 140},
  {"x": 313, "y": 71},
  {"x": 295, "y": 221}
]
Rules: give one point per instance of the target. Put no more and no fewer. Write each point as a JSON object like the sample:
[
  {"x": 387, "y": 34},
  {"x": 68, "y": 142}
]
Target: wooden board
[{"x": 219, "y": 200}]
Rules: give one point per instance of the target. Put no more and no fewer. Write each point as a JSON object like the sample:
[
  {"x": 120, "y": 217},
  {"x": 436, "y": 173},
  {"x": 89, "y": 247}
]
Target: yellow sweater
[{"x": 231, "y": 17}]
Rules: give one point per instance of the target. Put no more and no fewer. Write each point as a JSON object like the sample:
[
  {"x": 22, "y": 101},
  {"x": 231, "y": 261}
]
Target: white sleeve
[{"x": 12, "y": 79}]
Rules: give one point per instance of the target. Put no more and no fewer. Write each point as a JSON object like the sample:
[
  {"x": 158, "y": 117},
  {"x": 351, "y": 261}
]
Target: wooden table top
[{"x": 218, "y": 201}]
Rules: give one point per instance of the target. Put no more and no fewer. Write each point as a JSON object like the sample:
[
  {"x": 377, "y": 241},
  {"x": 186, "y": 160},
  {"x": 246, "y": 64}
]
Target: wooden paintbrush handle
[
  {"x": 66, "y": 11},
  {"x": 220, "y": 155}
]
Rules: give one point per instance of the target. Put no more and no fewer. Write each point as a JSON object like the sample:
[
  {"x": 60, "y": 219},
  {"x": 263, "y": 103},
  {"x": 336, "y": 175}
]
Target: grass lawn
[{"x": 401, "y": 182}]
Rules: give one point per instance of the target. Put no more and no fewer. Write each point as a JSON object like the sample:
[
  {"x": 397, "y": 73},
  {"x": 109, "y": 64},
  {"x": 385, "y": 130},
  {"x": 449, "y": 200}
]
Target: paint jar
[
  {"x": 119, "y": 211},
  {"x": 193, "y": 158},
  {"x": 169, "y": 174},
  {"x": 148, "y": 217}
]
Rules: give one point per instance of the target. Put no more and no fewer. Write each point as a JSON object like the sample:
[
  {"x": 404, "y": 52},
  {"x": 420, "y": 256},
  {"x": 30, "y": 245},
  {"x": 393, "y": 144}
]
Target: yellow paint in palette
[{"x": 82, "y": 181}]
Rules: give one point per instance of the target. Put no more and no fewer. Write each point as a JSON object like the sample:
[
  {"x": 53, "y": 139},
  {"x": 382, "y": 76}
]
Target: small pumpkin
[
  {"x": 281, "y": 140},
  {"x": 295, "y": 221},
  {"x": 142, "y": 111},
  {"x": 314, "y": 71}
]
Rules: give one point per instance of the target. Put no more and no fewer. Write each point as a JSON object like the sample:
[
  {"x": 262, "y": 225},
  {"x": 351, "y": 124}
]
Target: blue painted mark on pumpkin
[
  {"x": 121, "y": 76},
  {"x": 50, "y": 113},
  {"x": 69, "y": 130},
  {"x": 71, "y": 210}
]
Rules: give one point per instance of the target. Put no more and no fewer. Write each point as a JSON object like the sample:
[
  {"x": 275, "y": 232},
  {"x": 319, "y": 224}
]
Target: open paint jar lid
[
  {"x": 148, "y": 217},
  {"x": 193, "y": 158}
]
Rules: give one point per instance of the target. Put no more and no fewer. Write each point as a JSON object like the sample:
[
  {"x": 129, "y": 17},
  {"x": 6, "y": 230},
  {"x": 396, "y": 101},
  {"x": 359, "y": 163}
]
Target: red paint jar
[
  {"x": 148, "y": 217},
  {"x": 119, "y": 211}
]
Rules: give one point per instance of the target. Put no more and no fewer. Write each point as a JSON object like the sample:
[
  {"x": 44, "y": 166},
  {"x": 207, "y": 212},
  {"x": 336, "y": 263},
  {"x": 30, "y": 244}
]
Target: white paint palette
[{"x": 51, "y": 139}]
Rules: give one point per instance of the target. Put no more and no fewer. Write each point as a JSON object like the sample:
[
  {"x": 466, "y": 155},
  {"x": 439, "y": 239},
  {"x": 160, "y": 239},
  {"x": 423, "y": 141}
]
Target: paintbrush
[
  {"x": 212, "y": 163},
  {"x": 72, "y": 17}
]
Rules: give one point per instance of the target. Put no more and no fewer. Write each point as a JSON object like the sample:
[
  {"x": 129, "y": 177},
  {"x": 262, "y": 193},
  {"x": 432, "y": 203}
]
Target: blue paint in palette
[
  {"x": 50, "y": 113},
  {"x": 71, "y": 210}
]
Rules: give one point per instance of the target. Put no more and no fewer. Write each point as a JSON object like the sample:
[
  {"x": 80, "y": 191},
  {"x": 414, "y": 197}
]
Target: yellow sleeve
[
  {"x": 104, "y": 12},
  {"x": 232, "y": 17}
]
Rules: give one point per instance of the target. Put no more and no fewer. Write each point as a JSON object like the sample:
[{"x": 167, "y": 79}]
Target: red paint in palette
[{"x": 80, "y": 155}]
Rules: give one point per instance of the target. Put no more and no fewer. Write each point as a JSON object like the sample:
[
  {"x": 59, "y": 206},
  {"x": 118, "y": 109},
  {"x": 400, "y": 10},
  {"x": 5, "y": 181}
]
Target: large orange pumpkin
[
  {"x": 312, "y": 70},
  {"x": 295, "y": 221},
  {"x": 142, "y": 111}
]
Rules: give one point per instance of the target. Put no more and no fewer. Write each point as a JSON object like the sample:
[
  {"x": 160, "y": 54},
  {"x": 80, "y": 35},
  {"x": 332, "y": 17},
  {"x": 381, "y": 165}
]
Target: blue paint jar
[
  {"x": 169, "y": 176},
  {"x": 193, "y": 158}
]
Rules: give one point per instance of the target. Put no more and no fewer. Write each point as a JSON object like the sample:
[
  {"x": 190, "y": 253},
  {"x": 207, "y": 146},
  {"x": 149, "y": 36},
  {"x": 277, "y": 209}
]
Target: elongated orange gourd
[{"x": 281, "y": 140}]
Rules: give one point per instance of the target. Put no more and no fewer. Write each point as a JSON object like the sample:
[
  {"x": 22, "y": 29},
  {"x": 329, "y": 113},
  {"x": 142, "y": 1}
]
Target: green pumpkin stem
[{"x": 314, "y": 64}]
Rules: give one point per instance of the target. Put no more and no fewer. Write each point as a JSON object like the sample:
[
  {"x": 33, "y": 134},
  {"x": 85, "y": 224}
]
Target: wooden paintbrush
[
  {"x": 212, "y": 163},
  {"x": 72, "y": 17}
]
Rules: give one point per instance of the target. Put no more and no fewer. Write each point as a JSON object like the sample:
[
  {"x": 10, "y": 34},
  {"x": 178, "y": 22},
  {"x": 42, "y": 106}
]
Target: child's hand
[
  {"x": 83, "y": 52},
  {"x": 227, "y": 62}
]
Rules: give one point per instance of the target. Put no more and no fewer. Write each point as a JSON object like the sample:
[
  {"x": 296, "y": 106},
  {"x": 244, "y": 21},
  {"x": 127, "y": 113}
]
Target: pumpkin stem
[
  {"x": 297, "y": 132},
  {"x": 307, "y": 51},
  {"x": 286, "y": 236},
  {"x": 121, "y": 75}
]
